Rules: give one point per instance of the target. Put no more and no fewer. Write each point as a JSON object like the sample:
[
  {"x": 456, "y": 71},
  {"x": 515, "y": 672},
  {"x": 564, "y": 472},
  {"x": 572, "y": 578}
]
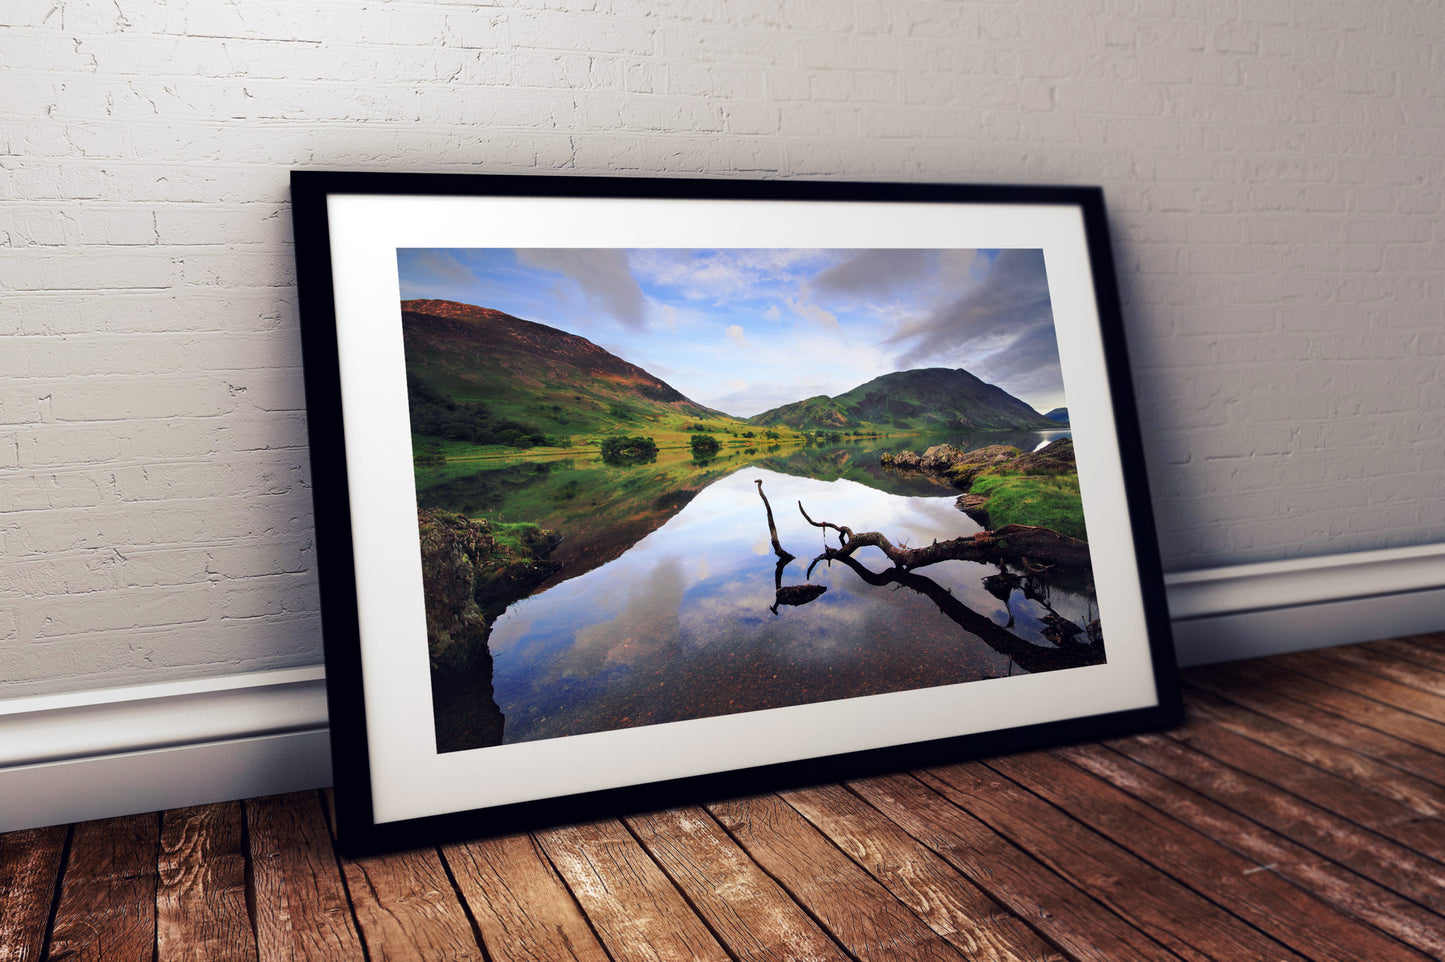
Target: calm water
[{"x": 686, "y": 623}]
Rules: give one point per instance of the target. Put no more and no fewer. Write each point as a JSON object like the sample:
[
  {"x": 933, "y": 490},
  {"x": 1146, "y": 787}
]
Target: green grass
[
  {"x": 516, "y": 536},
  {"x": 669, "y": 433},
  {"x": 1042, "y": 501}
]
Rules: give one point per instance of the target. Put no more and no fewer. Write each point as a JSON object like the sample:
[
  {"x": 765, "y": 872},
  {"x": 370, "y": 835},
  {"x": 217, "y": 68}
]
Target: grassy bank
[{"x": 1046, "y": 501}]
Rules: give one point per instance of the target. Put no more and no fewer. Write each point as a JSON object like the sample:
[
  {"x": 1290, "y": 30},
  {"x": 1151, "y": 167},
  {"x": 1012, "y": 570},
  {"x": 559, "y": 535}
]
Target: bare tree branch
[{"x": 1036, "y": 549}]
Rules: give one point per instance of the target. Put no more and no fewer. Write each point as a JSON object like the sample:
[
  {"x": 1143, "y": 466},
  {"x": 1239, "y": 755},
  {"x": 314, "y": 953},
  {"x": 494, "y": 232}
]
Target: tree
[
  {"x": 704, "y": 446},
  {"x": 629, "y": 450}
]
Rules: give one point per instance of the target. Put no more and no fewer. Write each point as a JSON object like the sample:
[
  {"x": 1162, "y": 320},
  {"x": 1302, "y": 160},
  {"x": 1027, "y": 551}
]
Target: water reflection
[
  {"x": 1045, "y": 437},
  {"x": 710, "y": 614}
]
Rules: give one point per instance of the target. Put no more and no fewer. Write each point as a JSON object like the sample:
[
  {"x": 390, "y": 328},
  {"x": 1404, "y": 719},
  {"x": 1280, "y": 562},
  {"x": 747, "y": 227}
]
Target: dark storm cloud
[
  {"x": 873, "y": 273},
  {"x": 1028, "y": 366},
  {"x": 439, "y": 265},
  {"x": 1002, "y": 329},
  {"x": 603, "y": 277}
]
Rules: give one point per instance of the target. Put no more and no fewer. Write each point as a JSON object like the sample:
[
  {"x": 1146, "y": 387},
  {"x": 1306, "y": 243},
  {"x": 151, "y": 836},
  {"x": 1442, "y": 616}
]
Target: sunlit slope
[{"x": 534, "y": 375}]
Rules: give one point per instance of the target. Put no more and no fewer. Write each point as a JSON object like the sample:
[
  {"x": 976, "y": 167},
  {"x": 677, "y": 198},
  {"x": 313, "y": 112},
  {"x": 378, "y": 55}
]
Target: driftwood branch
[
  {"x": 783, "y": 555},
  {"x": 795, "y": 595},
  {"x": 984, "y": 546},
  {"x": 1035, "y": 549}
]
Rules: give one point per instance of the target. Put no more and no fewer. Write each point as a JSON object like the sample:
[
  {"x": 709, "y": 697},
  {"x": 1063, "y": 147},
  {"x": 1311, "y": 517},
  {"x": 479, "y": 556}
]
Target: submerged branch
[
  {"x": 795, "y": 595},
  {"x": 1030, "y": 657},
  {"x": 985, "y": 546},
  {"x": 778, "y": 550}
]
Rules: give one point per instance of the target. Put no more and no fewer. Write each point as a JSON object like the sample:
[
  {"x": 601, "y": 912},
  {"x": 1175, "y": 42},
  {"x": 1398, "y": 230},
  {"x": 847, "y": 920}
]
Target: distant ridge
[
  {"x": 926, "y": 399},
  {"x": 1058, "y": 414}
]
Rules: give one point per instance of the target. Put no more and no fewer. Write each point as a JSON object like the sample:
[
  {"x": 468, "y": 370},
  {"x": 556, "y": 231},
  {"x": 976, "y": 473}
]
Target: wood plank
[
  {"x": 1331, "y": 671},
  {"x": 635, "y": 910},
  {"x": 1271, "y": 851},
  {"x": 1068, "y": 916},
  {"x": 302, "y": 912},
  {"x": 1266, "y": 901},
  {"x": 107, "y": 907},
  {"x": 1411, "y": 650},
  {"x": 751, "y": 914},
  {"x": 201, "y": 910},
  {"x": 855, "y": 908},
  {"x": 404, "y": 904},
  {"x": 1361, "y": 770},
  {"x": 29, "y": 871},
  {"x": 1336, "y": 729},
  {"x": 1432, "y": 639},
  {"x": 946, "y": 900},
  {"x": 1188, "y": 924},
  {"x": 1424, "y": 833},
  {"x": 1392, "y": 865},
  {"x": 406, "y": 908},
  {"x": 1348, "y": 704},
  {"x": 1408, "y": 673},
  {"x": 521, "y": 907}
]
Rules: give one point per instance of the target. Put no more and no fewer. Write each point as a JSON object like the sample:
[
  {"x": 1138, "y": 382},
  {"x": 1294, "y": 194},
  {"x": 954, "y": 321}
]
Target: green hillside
[
  {"x": 480, "y": 379},
  {"x": 930, "y": 399},
  {"x": 484, "y": 384}
]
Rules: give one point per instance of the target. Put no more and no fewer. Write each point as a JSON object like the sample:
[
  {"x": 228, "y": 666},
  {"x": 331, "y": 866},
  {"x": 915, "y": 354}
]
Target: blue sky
[{"x": 747, "y": 330}]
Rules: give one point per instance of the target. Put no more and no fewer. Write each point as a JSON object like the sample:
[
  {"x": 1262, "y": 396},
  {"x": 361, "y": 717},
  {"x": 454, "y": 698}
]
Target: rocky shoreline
[
  {"x": 469, "y": 576},
  {"x": 1036, "y": 547}
]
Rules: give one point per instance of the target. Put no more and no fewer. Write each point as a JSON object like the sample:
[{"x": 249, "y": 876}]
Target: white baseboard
[
  {"x": 84, "y": 755},
  {"x": 118, "y": 751},
  {"x": 124, "y": 783},
  {"x": 1248, "y": 611}
]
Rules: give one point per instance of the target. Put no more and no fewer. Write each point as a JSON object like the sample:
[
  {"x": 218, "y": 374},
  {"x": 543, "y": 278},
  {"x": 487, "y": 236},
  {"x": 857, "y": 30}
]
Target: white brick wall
[{"x": 1273, "y": 171}]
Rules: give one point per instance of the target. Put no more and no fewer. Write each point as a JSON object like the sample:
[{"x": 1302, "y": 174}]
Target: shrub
[
  {"x": 629, "y": 450},
  {"x": 704, "y": 446}
]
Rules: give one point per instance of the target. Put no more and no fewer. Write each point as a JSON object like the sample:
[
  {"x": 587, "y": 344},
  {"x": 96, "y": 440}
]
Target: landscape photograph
[{"x": 666, "y": 484}]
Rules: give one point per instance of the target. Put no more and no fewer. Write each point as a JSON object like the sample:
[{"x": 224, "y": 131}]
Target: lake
[{"x": 686, "y": 620}]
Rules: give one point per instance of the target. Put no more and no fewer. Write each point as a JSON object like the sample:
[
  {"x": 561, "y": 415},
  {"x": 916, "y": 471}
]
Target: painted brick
[
  {"x": 130, "y": 398},
  {"x": 1271, "y": 176},
  {"x": 103, "y": 569},
  {"x": 88, "y": 270},
  {"x": 39, "y": 492},
  {"x": 109, "y": 611},
  {"x": 196, "y": 225},
  {"x": 70, "y": 356},
  {"x": 269, "y": 594},
  {"x": 276, "y": 431},
  {"x": 243, "y": 561},
  {"x": 164, "y": 482}
]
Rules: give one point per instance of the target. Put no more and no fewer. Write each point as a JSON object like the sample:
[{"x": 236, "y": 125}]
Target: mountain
[
  {"x": 928, "y": 399},
  {"x": 533, "y": 376},
  {"x": 1058, "y": 414}
]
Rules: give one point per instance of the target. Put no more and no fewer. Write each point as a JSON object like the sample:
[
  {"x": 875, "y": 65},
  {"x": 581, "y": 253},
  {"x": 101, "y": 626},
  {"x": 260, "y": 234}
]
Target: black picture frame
[{"x": 350, "y": 225}]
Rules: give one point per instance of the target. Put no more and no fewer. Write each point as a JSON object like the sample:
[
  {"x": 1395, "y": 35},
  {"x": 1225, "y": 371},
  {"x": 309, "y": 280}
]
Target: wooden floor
[{"x": 1296, "y": 815}]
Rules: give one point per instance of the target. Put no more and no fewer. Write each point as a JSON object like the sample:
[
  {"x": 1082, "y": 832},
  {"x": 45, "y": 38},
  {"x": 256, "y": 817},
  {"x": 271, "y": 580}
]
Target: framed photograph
[{"x": 630, "y": 492}]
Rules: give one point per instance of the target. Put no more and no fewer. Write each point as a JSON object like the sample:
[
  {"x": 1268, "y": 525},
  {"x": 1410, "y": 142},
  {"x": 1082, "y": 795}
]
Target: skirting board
[
  {"x": 118, "y": 751},
  {"x": 84, "y": 755},
  {"x": 1249, "y": 611}
]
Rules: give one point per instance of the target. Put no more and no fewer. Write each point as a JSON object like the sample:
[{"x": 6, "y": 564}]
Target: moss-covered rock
[
  {"x": 455, "y": 626},
  {"x": 471, "y": 571}
]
